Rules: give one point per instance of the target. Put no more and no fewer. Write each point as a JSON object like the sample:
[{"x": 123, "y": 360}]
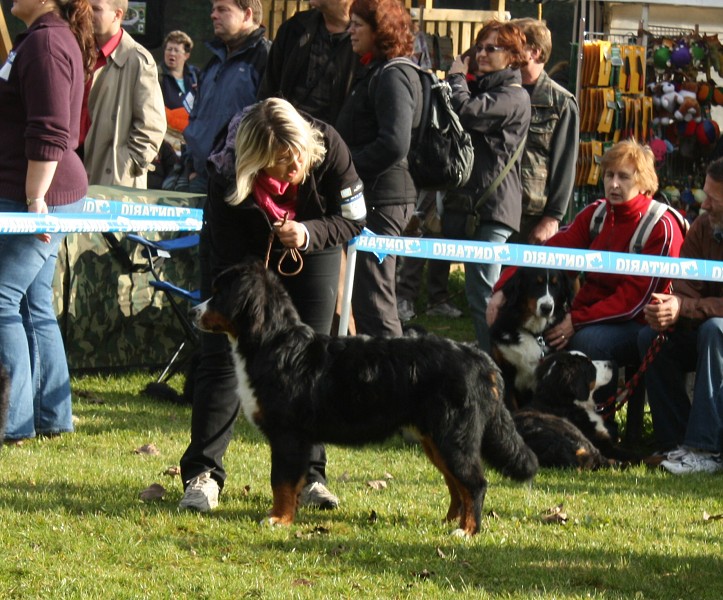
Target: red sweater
[
  {"x": 40, "y": 101},
  {"x": 607, "y": 297}
]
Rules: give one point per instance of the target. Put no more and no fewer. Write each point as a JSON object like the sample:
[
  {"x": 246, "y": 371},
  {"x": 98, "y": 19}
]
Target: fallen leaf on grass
[
  {"x": 707, "y": 517},
  {"x": 155, "y": 491},
  {"x": 377, "y": 484},
  {"x": 338, "y": 550},
  {"x": 440, "y": 553},
  {"x": 91, "y": 398},
  {"x": 423, "y": 574},
  {"x": 172, "y": 471},
  {"x": 373, "y": 517},
  {"x": 388, "y": 476},
  {"x": 147, "y": 449},
  {"x": 555, "y": 515},
  {"x": 304, "y": 582},
  {"x": 344, "y": 477},
  {"x": 246, "y": 491}
]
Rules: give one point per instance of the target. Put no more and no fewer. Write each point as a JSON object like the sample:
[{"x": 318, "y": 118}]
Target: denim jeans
[
  {"x": 481, "y": 278},
  {"x": 677, "y": 421},
  {"x": 31, "y": 346}
]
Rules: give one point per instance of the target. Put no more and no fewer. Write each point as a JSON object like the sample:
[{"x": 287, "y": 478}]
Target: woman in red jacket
[{"x": 607, "y": 311}]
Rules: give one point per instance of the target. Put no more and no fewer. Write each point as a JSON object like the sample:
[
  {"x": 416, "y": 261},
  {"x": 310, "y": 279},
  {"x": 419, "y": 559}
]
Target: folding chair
[{"x": 156, "y": 253}]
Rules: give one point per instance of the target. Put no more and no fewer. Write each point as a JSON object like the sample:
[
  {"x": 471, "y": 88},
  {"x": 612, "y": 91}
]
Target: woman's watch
[{"x": 34, "y": 200}]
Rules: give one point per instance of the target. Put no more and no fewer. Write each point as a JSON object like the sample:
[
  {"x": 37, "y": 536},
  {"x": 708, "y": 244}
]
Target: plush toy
[
  {"x": 668, "y": 96},
  {"x": 707, "y": 132},
  {"x": 718, "y": 96},
  {"x": 688, "y": 106},
  {"x": 659, "y": 149},
  {"x": 705, "y": 91},
  {"x": 698, "y": 52},
  {"x": 661, "y": 56},
  {"x": 680, "y": 57}
]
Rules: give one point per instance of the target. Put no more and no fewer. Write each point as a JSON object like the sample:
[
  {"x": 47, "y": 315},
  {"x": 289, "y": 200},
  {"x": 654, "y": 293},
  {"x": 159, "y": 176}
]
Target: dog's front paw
[{"x": 460, "y": 533}]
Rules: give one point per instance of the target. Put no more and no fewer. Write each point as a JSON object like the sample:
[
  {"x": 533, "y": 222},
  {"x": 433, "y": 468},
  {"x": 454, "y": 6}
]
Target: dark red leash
[{"x": 623, "y": 393}]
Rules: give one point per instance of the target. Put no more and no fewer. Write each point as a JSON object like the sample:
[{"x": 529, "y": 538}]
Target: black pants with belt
[{"x": 216, "y": 404}]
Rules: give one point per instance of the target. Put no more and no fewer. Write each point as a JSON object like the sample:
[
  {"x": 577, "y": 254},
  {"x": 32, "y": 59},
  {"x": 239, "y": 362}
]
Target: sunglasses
[{"x": 489, "y": 48}]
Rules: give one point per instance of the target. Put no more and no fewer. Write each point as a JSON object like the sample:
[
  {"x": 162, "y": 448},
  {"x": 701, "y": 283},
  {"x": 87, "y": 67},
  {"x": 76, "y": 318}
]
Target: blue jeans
[
  {"x": 677, "y": 421},
  {"x": 479, "y": 279},
  {"x": 31, "y": 346}
]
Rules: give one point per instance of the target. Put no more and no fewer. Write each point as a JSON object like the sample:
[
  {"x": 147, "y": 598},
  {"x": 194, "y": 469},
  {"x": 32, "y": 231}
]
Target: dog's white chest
[
  {"x": 525, "y": 356},
  {"x": 244, "y": 390}
]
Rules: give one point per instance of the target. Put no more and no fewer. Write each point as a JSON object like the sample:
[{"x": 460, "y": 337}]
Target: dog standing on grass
[{"x": 301, "y": 388}]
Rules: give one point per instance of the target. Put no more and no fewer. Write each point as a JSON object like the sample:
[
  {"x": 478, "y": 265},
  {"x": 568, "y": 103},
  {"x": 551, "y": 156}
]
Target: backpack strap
[
  {"x": 655, "y": 211},
  {"x": 598, "y": 218},
  {"x": 500, "y": 176}
]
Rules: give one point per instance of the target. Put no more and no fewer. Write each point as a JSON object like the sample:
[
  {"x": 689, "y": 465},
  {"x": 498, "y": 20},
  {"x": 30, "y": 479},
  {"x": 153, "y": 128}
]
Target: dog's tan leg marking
[
  {"x": 285, "y": 501},
  {"x": 461, "y": 505}
]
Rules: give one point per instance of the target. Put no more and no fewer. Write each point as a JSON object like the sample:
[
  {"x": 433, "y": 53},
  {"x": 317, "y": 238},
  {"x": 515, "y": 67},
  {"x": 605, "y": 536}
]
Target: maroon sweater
[{"x": 40, "y": 102}]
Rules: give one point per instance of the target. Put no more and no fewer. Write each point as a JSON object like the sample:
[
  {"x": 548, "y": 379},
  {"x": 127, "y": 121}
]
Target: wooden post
[{"x": 5, "y": 44}]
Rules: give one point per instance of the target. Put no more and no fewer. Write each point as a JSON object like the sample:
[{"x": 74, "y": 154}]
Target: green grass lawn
[{"x": 72, "y": 524}]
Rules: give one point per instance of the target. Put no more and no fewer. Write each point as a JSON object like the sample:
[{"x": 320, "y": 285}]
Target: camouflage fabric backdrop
[{"x": 111, "y": 318}]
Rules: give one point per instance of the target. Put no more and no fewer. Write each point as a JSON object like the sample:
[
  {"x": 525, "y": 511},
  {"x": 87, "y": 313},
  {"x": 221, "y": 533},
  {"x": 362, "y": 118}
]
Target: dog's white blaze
[
  {"x": 525, "y": 356},
  {"x": 603, "y": 375},
  {"x": 249, "y": 403},
  {"x": 603, "y": 371},
  {"x": 538, "y": 322}
]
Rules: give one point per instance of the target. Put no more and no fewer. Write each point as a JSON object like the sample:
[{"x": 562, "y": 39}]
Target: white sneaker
[
  {"x": 318, "y": 495},
  {"x": 201, "y": 493},
  {"x": 692, "y": 461},
  {"x": 405, "y": 309}
]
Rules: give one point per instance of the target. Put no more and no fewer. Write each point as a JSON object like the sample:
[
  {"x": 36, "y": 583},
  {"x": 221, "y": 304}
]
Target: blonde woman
[{"x": 283, "y": 173}]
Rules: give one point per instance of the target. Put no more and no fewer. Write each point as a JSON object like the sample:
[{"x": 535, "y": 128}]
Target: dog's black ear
[{"x": 512, "y": 288}]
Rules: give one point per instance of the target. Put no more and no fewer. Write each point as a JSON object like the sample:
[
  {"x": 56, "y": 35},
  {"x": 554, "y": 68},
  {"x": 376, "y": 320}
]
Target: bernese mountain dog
[
  {"x": 300, "y": 388},
  {"x": 561, "y": 424},
  {"x": 535, "y": 300}
]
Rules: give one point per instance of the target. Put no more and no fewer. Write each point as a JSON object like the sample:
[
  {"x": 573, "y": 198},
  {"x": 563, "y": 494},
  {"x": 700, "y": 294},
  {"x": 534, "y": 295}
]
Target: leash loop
[{"x": 293, "y": 253}]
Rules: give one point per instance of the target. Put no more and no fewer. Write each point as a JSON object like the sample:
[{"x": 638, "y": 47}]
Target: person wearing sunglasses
[{"x": 497, "y": 116}]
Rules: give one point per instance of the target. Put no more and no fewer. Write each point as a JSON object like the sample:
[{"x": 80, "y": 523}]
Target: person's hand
[
  {"x": 460, "y": 65},
  {"x": 560, "y": 335},
  {"x": 291, "y": 234},
  {"x": 543, "y": 231},
  {"x": 662, "y": 312},
  {"x": 493, "y": 307},
  {"x": 38, "y": 206}
]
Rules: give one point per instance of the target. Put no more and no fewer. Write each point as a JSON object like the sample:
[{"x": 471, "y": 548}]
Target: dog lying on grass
[{"x": 301, "y": 388}]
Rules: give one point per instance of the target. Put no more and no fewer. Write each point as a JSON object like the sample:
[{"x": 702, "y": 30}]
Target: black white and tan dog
[
  {"x": 535, "y": 300},
  {"x": 301, "y": 388},
  {"x": 561, "y": 424}
]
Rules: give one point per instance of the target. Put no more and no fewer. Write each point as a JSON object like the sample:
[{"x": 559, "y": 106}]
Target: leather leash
[
  {"x": 623, "y": 393},
  {"x": 287, "y": 252}
]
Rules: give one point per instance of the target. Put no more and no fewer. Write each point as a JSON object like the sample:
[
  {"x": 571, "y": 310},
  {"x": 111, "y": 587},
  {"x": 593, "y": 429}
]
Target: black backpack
[{"x": 441, "y": 154}]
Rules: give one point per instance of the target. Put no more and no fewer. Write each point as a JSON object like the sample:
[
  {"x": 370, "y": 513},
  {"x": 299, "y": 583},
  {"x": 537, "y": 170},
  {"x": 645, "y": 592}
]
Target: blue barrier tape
[
  {"x": 26, "y": 223},
  {"x": 105, "y": 216},
  {"x": 569, "y": 259}
]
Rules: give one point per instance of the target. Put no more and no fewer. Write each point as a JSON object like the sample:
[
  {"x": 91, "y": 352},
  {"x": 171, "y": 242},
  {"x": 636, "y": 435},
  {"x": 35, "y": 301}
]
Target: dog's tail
[{"x": 505, "y": 450}]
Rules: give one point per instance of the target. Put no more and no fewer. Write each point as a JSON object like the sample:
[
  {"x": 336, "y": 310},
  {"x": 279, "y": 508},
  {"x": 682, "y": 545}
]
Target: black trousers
[{"x": 216, "y": 404}]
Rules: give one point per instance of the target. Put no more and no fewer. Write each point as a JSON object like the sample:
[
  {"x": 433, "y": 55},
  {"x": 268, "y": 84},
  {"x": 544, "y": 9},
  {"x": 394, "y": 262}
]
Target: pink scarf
[{"x": 276, "y": 198}]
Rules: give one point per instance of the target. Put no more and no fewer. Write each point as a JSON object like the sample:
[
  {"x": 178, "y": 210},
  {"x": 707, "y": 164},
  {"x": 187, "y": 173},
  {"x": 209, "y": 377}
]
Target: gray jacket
[
  {"x": 548, "y": 163},
  {"x": 497, "y": 117}
]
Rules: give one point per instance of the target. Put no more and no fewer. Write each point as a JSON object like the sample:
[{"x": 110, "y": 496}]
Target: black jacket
[
  {"x": 497, "y": 117},
  {"x": 289, "y": 60},
  {"x": 235, "y": 232},
  {"x": 376, "y": 122}
]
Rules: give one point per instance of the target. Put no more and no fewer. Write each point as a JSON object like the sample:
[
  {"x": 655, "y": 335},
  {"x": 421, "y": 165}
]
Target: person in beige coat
[{"x": 125, "y": 104}]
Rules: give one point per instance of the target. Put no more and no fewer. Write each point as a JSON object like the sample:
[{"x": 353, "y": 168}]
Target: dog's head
[
  {"x": 565, "y": 377},
  {"x": 542, "y": 297},
  {"x": 248, "y": 302}
]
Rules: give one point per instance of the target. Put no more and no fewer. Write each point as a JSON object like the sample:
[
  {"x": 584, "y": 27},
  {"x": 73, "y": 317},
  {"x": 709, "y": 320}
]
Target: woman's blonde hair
[
  {"x": 269, "y": 128},
  {"x": 630, "y": 151}
]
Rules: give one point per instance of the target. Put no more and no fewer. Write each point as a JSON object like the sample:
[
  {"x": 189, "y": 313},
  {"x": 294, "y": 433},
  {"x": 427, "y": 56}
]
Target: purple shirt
[{"x": 41, "y": 92}]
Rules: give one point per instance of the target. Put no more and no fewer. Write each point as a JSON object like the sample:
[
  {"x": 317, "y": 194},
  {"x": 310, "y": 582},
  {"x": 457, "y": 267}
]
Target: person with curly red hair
[{"x": 376, "y": 122}]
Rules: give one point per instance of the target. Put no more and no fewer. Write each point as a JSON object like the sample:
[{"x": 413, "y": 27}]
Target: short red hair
[
  {"x": 509, "y": 37},
  {"x": 391, "y": 23}
]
